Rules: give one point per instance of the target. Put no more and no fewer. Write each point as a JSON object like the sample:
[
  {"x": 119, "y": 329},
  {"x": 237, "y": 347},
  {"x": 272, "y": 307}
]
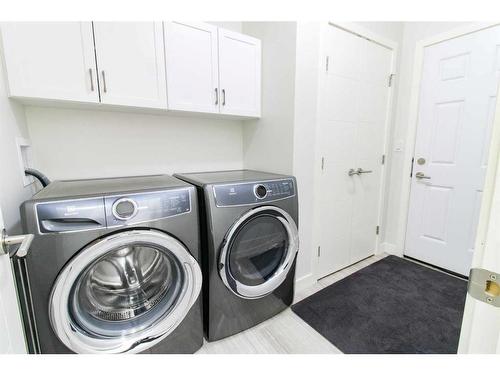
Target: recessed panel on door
[
  {"x": 50, "y": 60},
  {"x": 131, "y": 63},
  {"x": 192, "y": 67}
]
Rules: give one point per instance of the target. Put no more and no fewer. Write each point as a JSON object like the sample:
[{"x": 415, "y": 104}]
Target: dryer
[
  {"x": 249, "y": 247},
  {"x": 113, "y": 267}
]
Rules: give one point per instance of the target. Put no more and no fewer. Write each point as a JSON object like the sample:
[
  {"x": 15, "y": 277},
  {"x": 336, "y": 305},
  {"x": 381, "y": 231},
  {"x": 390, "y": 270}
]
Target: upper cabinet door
[
  {"x": 239, "y": 74},
  {"x": 50, "y": 60},
  {"x": 192, "y": 67},
  {"x": 131, "y": 63}
]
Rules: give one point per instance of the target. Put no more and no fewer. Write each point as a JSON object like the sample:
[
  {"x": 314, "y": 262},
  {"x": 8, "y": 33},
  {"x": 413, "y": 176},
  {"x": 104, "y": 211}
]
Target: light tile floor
[{"x": 286, "y": 332}]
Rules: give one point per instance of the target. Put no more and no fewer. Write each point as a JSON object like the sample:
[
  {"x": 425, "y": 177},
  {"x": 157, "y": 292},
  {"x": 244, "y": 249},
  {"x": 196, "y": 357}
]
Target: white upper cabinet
[
  {"x": 197, "y": 66},
  {"x": 239, "y": 74},
  {"x": 192, "y": 67},
  {"x": 131, "y": 65},
  {"x": 50, "y": 60}
]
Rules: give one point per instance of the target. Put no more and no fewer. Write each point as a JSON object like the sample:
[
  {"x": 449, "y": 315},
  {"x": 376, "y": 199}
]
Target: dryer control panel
[{"x": 253, "y": 192}]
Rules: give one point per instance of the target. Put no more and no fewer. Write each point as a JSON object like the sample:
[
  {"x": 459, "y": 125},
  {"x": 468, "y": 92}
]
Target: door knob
[
  {"x": 352, "y": 172},
  {"x": 23, "y": 239},
  {"x": 422, "y": 176}
]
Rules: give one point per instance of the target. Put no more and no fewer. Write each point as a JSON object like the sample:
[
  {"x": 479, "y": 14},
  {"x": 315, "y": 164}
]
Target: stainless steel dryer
[
  {"x": 249, "y": 246},
  {"x": 113, "y": 267}
]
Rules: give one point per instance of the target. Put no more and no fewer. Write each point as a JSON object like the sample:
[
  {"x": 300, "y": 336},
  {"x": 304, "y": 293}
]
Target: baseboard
[
  {"x": 389, "y": 248},
  {"x": 304, "y": 282}
]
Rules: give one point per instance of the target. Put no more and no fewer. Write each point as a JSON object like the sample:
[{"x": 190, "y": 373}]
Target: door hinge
[
  {"x": 391, "y": 76},
  {"x": 319, "y": 251},
  {"x": 322, "y": 163},
  {"x": 327, "y": 63},
  {"x": 377, "y": 230},
  {"x": 484, "y": 286},
  {"x": 383, "y": 159}
]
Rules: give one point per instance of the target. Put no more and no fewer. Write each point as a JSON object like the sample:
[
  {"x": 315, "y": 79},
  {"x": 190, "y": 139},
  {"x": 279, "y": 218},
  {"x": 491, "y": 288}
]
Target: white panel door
[
  {"x": 11, "y": 330},
  {"x": 457, "y": 102},
  {"x": 192, "y": 67},
  {"x": 131, "y": 63},
  {"x": 353, "y": 117},
  {"x": 50, "y": 60},
  {"x": 239, "y": 74}
]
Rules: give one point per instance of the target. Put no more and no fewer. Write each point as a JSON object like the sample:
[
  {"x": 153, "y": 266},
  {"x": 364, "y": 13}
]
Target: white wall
[
  {"x": 268, "y": 141},
  {"x": 388, "y": 30},
  {"x": 71, "y": 143},
  {"x": 12, "y": 125},
  {"x": 306, "y": 102},
  {"x": 413, "y": 32}
]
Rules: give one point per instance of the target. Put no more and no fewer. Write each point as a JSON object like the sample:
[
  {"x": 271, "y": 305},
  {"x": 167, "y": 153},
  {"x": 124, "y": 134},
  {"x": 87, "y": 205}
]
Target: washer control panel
[
  {"x": 253, "y": 192},
  {"x": 142, "y": 207},
  {"x": 110, "y": 211}
]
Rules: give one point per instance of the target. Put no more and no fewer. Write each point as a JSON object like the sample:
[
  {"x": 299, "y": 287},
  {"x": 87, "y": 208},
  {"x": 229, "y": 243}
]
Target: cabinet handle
[
  {"x": 104, "y": 88},
  {"x": 216, "y": 96},
  {"x": 223, "y": 97},
  {"x": 91, "y": 80}
]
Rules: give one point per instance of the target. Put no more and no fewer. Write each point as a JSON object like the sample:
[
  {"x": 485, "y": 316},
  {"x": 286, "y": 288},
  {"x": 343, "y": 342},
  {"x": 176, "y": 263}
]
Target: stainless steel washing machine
[
  {"x": 113, "y": 268},
  {"x": 249, "y": 247}
]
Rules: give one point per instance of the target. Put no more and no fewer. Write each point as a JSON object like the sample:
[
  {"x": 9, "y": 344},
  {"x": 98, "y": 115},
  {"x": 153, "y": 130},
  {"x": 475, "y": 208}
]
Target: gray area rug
[{"x": 391, "y": 306}]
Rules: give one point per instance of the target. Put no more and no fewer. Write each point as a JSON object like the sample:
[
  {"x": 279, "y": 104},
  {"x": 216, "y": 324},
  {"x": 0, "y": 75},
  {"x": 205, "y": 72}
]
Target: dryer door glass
[
  {"x": 257, "y": 249},
  {"x": 258, "y": 252},
  {"x": 124, "y": 293}
]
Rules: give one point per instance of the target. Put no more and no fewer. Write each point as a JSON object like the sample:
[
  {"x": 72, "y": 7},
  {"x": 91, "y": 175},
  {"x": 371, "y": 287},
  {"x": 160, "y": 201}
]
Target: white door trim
[
  {"x": 411, "y": 136},
  {"x": 394, "y": 47}
]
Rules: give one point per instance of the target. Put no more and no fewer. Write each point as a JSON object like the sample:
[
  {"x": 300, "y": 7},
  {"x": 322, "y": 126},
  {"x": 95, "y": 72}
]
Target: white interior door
[
  {"x": 480, "y": 331},
  {"x": 12, "y": 334},
  {"x": 192, "y": 67},
  {"x": 239, "y": 74},
  {"x": 131, "y": 63},
  {"x": 353, "y": 118},
  {"x": 457, "y": 106},
  {"x": 52, "y": 60}
]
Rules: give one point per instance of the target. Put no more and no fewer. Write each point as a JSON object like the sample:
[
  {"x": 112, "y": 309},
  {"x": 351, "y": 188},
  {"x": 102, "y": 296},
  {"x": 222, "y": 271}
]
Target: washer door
[
  {"x": 258, "y": 252},
  {"x": 124, "y": 293}
]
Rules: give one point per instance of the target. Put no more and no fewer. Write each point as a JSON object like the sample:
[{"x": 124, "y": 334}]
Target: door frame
[
  {"x": 411, "y": 136},
  {"x": 394, "y": 47}
]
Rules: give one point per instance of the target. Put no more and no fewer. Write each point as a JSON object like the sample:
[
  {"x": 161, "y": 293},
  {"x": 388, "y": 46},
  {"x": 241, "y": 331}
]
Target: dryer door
[
  {"x": 124, "y": 293},
  {"x": 258, "y": 252}
]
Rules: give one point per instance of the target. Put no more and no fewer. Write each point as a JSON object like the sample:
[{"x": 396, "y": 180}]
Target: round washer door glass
[
  {"x": 124, "y": 293},
  {"x": 259, "y": 251}
]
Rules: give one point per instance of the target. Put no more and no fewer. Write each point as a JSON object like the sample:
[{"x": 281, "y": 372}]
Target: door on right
[{"x": 456, "y": 111}]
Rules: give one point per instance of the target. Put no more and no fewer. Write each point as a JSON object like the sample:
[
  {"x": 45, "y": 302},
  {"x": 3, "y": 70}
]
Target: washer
[
  {"x": 250, "y": 242},
  {"x": 113, "y": 268}
]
